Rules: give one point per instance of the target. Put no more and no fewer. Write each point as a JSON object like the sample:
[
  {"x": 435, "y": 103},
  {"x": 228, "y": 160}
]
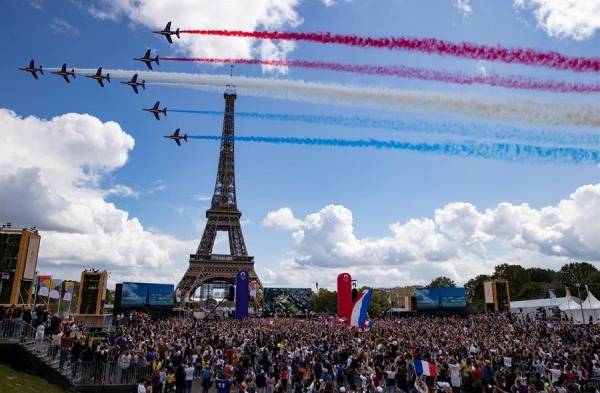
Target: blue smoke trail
[
  {"x": 498, "y": 151},
  {"x": 472, "y": 130}
]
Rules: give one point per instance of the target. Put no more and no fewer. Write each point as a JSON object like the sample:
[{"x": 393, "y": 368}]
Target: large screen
[
  {"x": 428, "y": 298},
  {"x": 453, "y": 297},
  {"x": 137, "y": 294},
  {"x": 287, "y": 301}
]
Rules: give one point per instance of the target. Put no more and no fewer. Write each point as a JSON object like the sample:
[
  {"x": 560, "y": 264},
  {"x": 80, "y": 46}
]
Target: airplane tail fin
[
  {"x": 156, "y": 60},
  {"x": 41, "y": 70},
  {"x": 165, "y": 111},
  {"x": 177, "y": 33},
  {"x": 108, "y": 77},
  {"x": 73, "y": 73},
  {"x": 143, "y": 84},
  {"x": 185, "y": 137}
]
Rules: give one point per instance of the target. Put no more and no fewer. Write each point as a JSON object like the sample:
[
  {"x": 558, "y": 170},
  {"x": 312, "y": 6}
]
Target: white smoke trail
[{"x": 510, "y": 109}]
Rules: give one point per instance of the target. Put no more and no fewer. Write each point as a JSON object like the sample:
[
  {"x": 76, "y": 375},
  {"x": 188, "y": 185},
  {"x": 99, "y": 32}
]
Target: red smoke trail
[
  {"x": 428, "y": 45},
  {"x": 510, "y": 82}
]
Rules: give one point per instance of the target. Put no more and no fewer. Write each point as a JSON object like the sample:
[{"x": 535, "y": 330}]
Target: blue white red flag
[
  {"x": 359, "y": 310},
  {"x": 424, "y": 368}
]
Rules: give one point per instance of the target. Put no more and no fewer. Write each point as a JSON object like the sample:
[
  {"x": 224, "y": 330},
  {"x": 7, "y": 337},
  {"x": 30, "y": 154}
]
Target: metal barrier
[{"x": 78, "y": 372}]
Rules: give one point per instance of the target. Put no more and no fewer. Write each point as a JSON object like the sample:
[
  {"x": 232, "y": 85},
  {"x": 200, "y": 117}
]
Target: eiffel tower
[{"x": 223, "y": 215}]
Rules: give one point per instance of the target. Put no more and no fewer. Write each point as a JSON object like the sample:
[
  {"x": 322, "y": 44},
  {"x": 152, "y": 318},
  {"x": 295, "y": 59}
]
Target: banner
[
  {"x": 56, "y": 289},
  {"x": 242, "y": 293},
  {"x": 488, "y": 292},
  {"x": 69, "y": 288},
  {"x": 358, "y": 317},
  {"x": 44, "y": 283},
  {"x": 344, "y": 296}
]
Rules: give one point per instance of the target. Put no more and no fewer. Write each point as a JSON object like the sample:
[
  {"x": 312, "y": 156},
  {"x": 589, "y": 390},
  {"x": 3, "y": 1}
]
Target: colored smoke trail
[
  {"x": 537, "y": 111},
  {"x": 466, "y": 50},
  {"x": 497, "y": 151},
  {"x": 449, "y": 128},
  {"x": 510, "y": 82}
]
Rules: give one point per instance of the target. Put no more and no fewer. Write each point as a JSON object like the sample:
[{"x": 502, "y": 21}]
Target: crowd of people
[{"x": 480, "y": 353}]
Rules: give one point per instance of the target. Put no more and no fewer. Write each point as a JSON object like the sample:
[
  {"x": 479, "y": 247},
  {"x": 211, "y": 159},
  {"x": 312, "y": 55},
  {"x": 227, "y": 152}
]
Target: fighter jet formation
[
  {"x": 64, "y": 73},
  {"x": 167, "y": 33},
  {"x": 147, "y": 59},
  {"x": 99, "y": 77},
  {"x": 155, "y": 110},
  {"x": 134, "y": 83},
  {"x": 31, "y": 68},
  {"x": 176, "y": 137}
]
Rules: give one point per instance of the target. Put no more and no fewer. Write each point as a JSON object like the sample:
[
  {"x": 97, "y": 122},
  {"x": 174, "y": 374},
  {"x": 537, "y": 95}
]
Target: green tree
[
  {"x": 474, "y": 293},
  {"x": 575, "y": 273},
  {"x": 380, "y": 304},
  {"x": 325, "y": 301},
  {"x": 442, "y": 282}
]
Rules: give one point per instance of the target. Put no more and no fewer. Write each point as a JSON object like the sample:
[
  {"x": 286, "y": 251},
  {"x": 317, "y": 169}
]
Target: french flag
[
  {"x": 425, "y": 368},
  {"x": 359, "y": 310}
]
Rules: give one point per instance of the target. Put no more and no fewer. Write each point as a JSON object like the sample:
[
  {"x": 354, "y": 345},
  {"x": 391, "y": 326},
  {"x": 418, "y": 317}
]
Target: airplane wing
[
  {"x": 147, "y": 53},
  {"x": 168, "y": 37},
  {"x": 177, "y": 141},
  {"x": 176, "y": 133},
  {"x": 168, "y": 27},
  {"x": 149, "y": 64},
  {"x": 100, "y": 81},
  {"x": 64, "y": 68},
  {"x": 99, "y": 72},
  {"x": 66, "y": 78},
  {"x": 31, "y": 64},
  {"x": 156, "y": 115},
  {"x": 134, "y": 87},
  {"x": 156, "y": 105},
  {"x": 34, "y": 75},
  {"x": 134, "y": 79}
]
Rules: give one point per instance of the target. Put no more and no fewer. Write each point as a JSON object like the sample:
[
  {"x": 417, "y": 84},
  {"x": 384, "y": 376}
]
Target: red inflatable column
[{"x": 344, "y": 296}]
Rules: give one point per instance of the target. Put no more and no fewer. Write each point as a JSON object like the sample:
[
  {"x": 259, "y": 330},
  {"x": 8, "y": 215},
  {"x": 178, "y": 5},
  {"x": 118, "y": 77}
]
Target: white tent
[
  {"x": 533, "y": 305},
  {"x": 580, "y": 312}
]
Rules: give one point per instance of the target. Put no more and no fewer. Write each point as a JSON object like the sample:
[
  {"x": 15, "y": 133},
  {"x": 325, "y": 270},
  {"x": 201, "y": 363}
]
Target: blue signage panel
[
  {"x": 428, "y": 298},
  {"x": 138, "y": 294},
  {"x": 453, "y": 298}
]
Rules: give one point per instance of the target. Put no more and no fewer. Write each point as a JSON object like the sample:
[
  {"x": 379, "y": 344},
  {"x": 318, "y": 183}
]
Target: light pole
[{"x": 580, "y": 302}]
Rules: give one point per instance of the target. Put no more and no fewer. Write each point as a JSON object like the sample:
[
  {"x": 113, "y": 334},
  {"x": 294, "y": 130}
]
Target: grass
[{"x": 15, "y": 381}]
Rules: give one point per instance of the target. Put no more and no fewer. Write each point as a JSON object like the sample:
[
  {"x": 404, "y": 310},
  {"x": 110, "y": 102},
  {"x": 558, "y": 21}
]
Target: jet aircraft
[
  {"x": 64, "y": 73},
  {"x": 31, "y": 68},
  {"x": 134, "y": 83},
  {"x": 155, "y": 110},
  {"x": 168, "y": 33},
  {"x": 99, "y": 77},
  {"x": 177, "y": 138},
  {"x": 147, "y": 59}
]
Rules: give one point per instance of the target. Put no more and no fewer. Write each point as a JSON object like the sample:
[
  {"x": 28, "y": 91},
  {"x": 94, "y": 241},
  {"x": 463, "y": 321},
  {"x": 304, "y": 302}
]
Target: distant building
[
  {"x": 19, "y": 249},
  {"x": 402, "y": 299}
]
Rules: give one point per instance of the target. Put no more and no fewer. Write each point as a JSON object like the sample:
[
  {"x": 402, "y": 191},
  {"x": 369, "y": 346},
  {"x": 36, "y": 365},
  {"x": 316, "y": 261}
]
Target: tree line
[{"x": 524, "y": 283}]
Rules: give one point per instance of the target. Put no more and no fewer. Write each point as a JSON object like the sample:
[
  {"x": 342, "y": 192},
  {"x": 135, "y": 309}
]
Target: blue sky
[{"x": 168, "y": 184}]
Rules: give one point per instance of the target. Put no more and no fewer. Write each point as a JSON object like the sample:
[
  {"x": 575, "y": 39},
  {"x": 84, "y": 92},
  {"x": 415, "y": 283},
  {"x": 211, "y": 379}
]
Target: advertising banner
[
  {"x": 242, "y": 293},
  {"x": 488, "y": 292},
  {"x": 344, "y": 296},
  {"x": 44, "y": 283}
]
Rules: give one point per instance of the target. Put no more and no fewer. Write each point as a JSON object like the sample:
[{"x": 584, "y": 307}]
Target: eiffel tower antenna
[{"x": 222, "y": 216}]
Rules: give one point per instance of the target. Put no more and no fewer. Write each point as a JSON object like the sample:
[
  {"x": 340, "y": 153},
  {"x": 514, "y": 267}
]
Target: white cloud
[
  {"x": 330, "y": 3},
  {"x": 210, "y": 14},
  {"x": 62, "y": 26},
  {"x": 459, "y": 240},
  {"x": 51, "y": 171},
  {"x": 282, "y": 218},
  {"x": 576, "y": 19},
  {"x": 123, "y": 191},
  {"x": 464, "y": 6}
]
